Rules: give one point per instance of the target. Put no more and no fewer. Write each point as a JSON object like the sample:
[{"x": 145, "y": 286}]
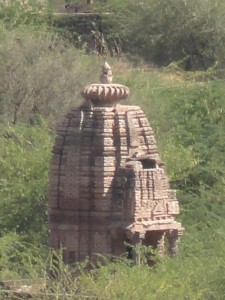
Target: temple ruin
[{"x": 108, "y": 185}]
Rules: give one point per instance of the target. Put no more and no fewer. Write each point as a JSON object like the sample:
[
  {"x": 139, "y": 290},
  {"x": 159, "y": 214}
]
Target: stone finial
[
  {"x": 105, "y": 93},
  {"x": 106, "y": 75}
]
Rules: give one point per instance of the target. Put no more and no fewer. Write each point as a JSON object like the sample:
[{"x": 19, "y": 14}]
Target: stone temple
[{"x": 108, "y": 185}]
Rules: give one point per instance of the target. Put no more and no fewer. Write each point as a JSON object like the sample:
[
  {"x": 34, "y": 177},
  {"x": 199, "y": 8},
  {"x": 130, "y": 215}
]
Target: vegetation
[
  {"x": 189, "y": 31},
  {"x": 41, "y": 76},
  {"x": 158, "y": 32}
]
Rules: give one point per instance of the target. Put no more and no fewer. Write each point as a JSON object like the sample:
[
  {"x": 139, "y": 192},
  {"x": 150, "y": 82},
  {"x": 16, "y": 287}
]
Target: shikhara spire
[{"x": 108, "y": 184}]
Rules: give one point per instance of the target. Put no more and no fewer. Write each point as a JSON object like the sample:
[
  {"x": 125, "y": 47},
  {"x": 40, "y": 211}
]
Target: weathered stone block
[{"x": 105, "y": 181}]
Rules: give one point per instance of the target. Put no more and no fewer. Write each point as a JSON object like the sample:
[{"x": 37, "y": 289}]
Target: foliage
[
  {"x": 96, "y": 34},
  {"x": 25, "y": 152},
  {"x": 14, "y": 13},
  {"x": 191, "y": 32},
  {"x": 188, "y": 32},
  {"x": 180, "y": 30},
  {"x": 19, "y": 258},
  {"x": 62, "y": 279},
  {"x": 172, "y": 279},
  {"x": 40, "y": 74}
]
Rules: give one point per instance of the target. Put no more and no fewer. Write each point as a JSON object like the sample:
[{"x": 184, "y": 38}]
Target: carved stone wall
[
  {"x": 105, "y": 173},
  {"x": 107, "y": 182}
]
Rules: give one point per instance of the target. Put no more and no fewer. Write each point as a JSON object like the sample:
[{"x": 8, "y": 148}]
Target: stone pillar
[
  {"x": 137, "y": 239},
  {"x": 161, "y": 244},
  {"x": 173, "y": 239}
]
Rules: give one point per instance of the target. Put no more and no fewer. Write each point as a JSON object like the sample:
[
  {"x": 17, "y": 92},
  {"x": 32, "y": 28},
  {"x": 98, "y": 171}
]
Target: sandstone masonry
[{"x": 107, "y": 182}]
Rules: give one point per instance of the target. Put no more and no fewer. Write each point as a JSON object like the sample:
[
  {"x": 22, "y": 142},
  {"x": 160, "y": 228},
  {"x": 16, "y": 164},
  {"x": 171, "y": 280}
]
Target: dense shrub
[
  {"x": 14, "y": 13},
  {"x": 161, "y": 32},
  {"x": 25, "y": 153},
  {"x": 40, "y": 74},
  {"x": 24, "y": 164}
]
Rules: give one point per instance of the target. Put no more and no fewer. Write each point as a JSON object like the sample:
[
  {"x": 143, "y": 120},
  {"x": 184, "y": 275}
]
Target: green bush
[
  {"x": 161, "y": 32},
  {"x": 24, "y": 164},
  {"x": 20, "y": 258},
  {"x": 14, "y": 13},
  {"x": 40, "y": 74}
]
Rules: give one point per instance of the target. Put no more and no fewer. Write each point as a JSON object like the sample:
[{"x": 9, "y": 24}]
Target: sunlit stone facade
[{"x": 108, "y": 185}]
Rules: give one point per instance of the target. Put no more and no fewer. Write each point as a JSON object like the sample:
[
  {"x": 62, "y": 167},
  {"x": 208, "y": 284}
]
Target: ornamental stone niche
[{"x": 108, "y": 185}]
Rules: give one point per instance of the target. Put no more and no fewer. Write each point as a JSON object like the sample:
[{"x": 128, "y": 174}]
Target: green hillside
[{"x": 42, "y": 71}]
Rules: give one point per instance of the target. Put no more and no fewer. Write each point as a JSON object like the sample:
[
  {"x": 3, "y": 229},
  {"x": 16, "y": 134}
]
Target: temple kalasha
[{"x": 108, "y": 185}]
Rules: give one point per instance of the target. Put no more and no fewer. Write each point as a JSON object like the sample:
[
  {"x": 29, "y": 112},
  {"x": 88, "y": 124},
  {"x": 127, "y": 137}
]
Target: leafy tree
[
  {"x": 14, "y": 13},
  {"x": 161, "y": 32},
  {"x": 21, "y": 258},
  {"x": 40, "y": 74},
  {"x": 25, "y": 153}
]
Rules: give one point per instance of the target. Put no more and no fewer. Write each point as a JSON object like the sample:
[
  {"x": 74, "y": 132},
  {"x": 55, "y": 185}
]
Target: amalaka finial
[
  {"x": 106, "y": 75},
  {"x": 105, "y": 93}
]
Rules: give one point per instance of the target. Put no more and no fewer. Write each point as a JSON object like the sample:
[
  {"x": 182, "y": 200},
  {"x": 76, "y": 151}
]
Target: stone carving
[
  {"x": 105, "y": 93},
  {"x": 107, "y": 182},
  {"x": 106, "y": 75}
]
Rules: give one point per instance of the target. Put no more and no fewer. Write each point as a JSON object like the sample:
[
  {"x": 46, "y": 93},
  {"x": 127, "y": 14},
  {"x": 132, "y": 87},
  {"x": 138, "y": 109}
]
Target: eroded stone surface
[
  {"x": 105, "y": 94},
  {"x": 106, "y": 74},
  {"x": 108, "y": 184}
]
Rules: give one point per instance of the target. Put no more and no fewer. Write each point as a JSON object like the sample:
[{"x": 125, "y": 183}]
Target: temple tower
[{"x": 107, "y": 182}]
